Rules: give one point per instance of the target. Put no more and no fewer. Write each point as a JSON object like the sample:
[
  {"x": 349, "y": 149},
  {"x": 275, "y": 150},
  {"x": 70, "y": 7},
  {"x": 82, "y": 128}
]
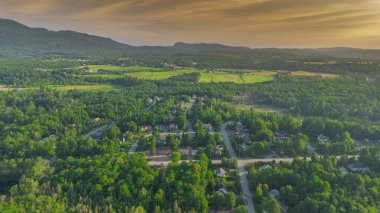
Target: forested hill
[
  {"x": 17, "y": 39},
  {"x": 181, "y": 46}
]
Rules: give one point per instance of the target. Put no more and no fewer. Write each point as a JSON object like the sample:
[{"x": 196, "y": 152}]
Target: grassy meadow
[
  {"x": 122, "y": 69},
  {"x": 312, "y": 74}
]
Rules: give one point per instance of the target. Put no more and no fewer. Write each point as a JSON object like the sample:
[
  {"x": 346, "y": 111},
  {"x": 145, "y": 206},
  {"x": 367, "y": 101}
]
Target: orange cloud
[{"x": 255, "y": 23}]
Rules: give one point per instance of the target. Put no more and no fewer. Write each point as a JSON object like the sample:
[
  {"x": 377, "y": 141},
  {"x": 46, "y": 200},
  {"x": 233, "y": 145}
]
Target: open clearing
[
  {"x": 159, "y": 75},
  {"x": 305, "y": 73},
  {"x": 248, "y": 78},
  {"x": 106, "y": 76},
  {"x": 121, "y": 69},
  {"x": 96, "y": 87},
  {"x": 262, "y": 108},
  {"x": 154, "y": 73},
  {"x": 103, "y": 87}
]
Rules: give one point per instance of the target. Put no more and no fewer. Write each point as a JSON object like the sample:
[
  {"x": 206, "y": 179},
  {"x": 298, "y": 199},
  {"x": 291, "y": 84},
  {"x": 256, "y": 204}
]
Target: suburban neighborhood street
[
  {"x": 98, "y": 130},
  {"x": 242, "y": 172},
  {"x": 133, "y": 147}
]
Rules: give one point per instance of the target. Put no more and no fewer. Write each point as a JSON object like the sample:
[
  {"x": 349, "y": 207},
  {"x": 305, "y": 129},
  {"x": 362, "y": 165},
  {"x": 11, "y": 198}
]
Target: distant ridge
[
  {"x": 205, "y": 47},
  {"x": 19, "y": 40}
]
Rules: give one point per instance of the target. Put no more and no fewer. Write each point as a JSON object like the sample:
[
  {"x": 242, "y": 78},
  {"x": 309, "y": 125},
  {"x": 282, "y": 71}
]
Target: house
[
  {"x": 164, "y": 135},
  {"x": 358, "y": 167},
  {"x": 173, "y": 126},
  {"x": 281, "y": 136},
  {"x": 54, "y": 137},
  {"x": 275, "y": 193},
  {"x": 358, "y": 146},
  {"x": 220, "y": 172},
  {"x": 188, "y": 152},
  {"x": 161, "y": 127},
  {"x": 95, "y": 120},
  {"x": 218, "y": 150},
  {"x": 245, "y": 147},
  {"x": 149, "y": 100},
  {"x": 145, "y": 128},
  {"x": 207, "y": 126},
  {"x": 343, "y": 170},
  {"x": 163, "y": 151},
  {"x": 239, "y": 127},
  {"x": 223, "y": 191},
  {"x": 323, "y": 138}
]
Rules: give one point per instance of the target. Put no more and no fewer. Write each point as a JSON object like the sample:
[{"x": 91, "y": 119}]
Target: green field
[
  {"x": 152, "y": 73},
  {"x": 106, "y": 76},
  {"x": 227, "y": 77},
  {"x": 122, "y": 69},
  {"x": 206, "y": 77},
  {"x": 103, "y": 87},
  {"x": 248, "y": 78},
  {"x": 96, "y": 87},
  {"x": 159, "y": 75},
  {"x": 258, "y": 76},
  {"x": 305, "y": 73}
]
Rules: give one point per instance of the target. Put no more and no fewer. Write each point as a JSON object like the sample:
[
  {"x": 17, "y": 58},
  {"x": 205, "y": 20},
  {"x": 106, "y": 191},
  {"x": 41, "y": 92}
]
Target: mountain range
[{"x": 19, "y": 40}]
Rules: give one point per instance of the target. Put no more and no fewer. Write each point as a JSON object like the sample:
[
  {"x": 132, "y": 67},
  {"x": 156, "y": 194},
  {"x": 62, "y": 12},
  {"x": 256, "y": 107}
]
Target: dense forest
[
  {"x": 53, "y": 161},
  {"x": 320, "y": 185}
]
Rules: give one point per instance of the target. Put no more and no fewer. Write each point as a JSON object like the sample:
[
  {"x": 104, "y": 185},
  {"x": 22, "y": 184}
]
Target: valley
[{"x": 88, "y": 124}]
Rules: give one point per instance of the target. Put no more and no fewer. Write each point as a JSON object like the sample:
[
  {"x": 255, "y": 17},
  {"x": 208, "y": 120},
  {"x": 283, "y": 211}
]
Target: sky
[{"x": 252, "y": 23}]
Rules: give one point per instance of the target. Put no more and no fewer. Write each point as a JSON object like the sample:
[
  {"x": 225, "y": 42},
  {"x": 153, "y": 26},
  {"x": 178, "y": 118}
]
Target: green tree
[
  {"x": 217, "y": 200},
  {"x": 175, "y": 157},
  {"x": 132, "y": 126},
  {"x": 230, "y": 200},
  {"x": 271, "y": 205},
  {"x": 241, "y": 209}
]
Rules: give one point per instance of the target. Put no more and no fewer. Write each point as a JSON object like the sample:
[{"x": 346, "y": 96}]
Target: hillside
[{"x": 18, "y": 39}]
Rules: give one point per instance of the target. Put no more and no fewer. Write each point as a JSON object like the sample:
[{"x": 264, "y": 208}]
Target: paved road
[
  {"x": 242, "y": 172},
  {"x": 189, "y": 127},
  {"x": 242, "y": 162},
  {"x": 52, "y": 159},
  {"x": 227, "y": 142},
  {"x": 133, "y": 147},
  {"x": 310, "y": 148},
  {"x": 97, "y": 130}
]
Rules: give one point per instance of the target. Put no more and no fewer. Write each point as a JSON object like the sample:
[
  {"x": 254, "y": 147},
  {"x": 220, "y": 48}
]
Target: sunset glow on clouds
[{"x": 254, "y": 23}]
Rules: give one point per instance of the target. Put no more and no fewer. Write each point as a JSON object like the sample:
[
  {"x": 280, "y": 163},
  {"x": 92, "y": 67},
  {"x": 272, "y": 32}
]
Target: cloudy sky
[{"x": 254, "y": 23}]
